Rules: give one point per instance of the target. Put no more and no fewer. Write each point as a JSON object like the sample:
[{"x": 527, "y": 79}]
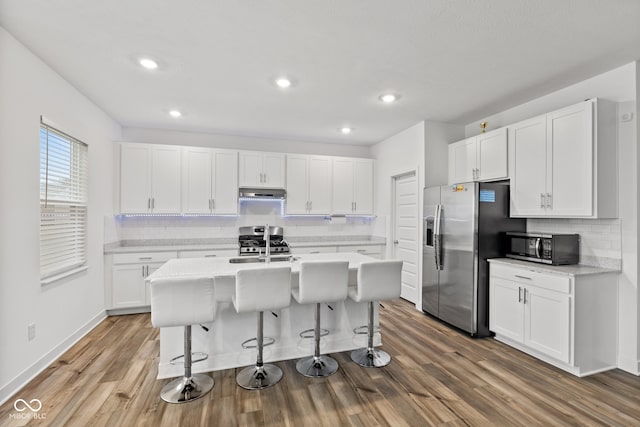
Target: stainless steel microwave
[{"x": 554, "y": 249}]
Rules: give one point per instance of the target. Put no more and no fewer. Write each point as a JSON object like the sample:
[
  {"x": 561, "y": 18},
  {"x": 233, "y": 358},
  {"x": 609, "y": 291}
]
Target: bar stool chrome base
[
  {"x": 317, "y": 366},
  {"x": 259, "y": 377},
  {"x": 186, "y": 389},
  {"x": 370, "y": 357}
]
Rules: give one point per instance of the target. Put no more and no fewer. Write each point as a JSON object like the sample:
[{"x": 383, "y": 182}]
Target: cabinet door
[
  {"x": 250, "y": 169},
  {"x": 196, "y": 180},
  {"x": 128, "y": 287},
  {"x": 319, "y": 185},
  {"x": 273, "y": 168},
  {"x": 462, "y": 161},
  {"x": 297, "y": 185},
  {"x": 548, "y": 322},
  {"x": 506, "y": 309},
  {"x": 135, "y": 178},
  {"x": 150, "y": 268},
  {"x": 570, "y": 161},
  {"x": 363, "y": 187},
  {"x": 491, "y": 154},
  {"x": 224, "y": 195},
  {"x": 528, "y": 158},
  {"x": 342, "y": 186},
  {"x": 165, "y": 179}
]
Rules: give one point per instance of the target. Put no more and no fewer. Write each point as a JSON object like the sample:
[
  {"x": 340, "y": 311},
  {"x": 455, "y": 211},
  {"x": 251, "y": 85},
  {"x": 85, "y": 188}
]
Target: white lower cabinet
[
  {"x": 314, "y": 250},
  {"x": 568, "y": 321},
  {"x": 208, "y": 253},
  {"x": 127, "y": 287},
  {"x": 374, "y": 251}
]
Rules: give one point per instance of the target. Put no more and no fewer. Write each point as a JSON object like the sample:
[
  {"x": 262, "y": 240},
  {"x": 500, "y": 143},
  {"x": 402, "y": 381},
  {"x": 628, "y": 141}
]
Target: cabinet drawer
[
  {"x": 144, "y": 257},
  {"x": 208, "y": 254},
  {"x": 316, "y": 250},
  {"x": 374, "y": 251},
  {"x": 526, "y": 276}
]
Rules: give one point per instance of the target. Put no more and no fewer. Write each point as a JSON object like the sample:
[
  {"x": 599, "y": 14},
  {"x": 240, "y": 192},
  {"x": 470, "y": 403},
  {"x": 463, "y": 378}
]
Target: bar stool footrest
[
  {"x": 196, "y": 356},
  {"x": 266, "y": 341},
  {"x": 311, "y": 333},
  {"x": 364, "y": 330}
]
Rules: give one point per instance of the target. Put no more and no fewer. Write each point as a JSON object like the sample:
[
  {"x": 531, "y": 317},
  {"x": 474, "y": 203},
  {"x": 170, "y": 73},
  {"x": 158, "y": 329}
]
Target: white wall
[
  {"x": 236, "y": 142},
  {"x": 64, "y": 310},
  {"x": 620, "y": 236}
]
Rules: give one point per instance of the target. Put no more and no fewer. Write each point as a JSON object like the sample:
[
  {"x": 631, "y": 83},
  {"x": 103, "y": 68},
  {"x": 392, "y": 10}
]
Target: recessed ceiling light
[
  {"x": 388, "y": 98},
  {"x": 283, "y": 82},
  {"x": 346, "y": 130},
  {"x": 175, "y": 113},
  {"x": 148, "y": 63}
]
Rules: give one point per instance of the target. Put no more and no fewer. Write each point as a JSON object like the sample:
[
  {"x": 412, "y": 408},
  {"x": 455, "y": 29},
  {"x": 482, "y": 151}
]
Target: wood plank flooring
[{"x": 438, "y": 377}]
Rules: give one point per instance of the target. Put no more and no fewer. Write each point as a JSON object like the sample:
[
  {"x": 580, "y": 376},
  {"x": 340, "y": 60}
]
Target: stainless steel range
[{"x": 251, "y": 241}]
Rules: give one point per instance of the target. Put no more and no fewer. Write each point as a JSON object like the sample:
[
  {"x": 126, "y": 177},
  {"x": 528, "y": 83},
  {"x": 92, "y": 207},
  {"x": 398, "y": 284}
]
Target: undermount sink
[{"x": 246, "y": 260}]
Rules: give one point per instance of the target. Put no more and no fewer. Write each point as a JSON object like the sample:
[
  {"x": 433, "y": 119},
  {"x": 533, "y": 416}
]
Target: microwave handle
[{"x": 539, "y": 248}]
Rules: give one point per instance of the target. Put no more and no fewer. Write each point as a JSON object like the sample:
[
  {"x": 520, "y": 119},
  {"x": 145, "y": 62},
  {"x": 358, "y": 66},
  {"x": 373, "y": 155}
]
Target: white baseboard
[
  {"x": 40, "y": 365},
  {"x": 630, "y": 365}
]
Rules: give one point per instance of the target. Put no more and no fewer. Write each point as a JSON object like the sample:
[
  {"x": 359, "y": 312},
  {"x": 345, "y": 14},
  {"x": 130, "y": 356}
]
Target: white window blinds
[{"x": 63, "y": 202}]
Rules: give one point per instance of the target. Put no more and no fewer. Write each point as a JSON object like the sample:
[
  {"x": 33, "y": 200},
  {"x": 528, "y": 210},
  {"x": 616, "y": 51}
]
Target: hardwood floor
[{"x": 438, "y": 376}]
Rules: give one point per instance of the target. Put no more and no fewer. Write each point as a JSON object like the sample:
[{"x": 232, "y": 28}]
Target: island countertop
[{"x": 223, "y": 338}]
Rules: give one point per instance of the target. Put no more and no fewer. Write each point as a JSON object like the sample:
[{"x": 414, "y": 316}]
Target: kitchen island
[{"x": 222, "y": 339}]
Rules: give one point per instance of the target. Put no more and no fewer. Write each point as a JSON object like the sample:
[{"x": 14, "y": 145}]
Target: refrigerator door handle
[{"x": 437, "y": 237}]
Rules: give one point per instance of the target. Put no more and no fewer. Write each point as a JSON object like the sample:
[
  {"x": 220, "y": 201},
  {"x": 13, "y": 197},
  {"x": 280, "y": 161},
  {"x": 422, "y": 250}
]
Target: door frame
[{"x": 392, "y": 222}]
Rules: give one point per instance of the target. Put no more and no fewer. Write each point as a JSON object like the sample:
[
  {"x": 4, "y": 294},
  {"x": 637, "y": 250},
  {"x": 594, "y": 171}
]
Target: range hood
[{"x": 262, "y": 193}]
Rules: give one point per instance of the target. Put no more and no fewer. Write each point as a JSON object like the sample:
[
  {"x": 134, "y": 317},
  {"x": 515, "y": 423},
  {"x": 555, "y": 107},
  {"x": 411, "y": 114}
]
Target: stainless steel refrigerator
[{"x": 464, "y": 225}]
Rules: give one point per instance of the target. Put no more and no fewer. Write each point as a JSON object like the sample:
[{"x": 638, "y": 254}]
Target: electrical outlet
[{"x": 31, "y": 331}]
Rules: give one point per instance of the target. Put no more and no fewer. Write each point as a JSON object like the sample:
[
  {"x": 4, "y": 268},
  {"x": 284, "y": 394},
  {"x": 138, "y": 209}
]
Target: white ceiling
[{"x": 451, "y": 60}]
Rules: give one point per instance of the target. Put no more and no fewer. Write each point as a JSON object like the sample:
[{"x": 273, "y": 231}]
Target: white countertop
[
  {"x": 565, "y": 270},
  {"x": 220, "y": 267},
  {"x": 311, "y": 243}
]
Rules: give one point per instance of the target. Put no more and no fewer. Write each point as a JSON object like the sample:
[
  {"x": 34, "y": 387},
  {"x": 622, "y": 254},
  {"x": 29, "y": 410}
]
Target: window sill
[{"x": 51, "y": 279}]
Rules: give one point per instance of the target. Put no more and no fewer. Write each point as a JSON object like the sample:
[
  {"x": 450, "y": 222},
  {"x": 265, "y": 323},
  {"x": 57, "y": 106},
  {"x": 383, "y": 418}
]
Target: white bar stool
[
  {"x": 183, "y": 302},
  {"x": 377, "y": 280},
  {"x": 320, "y": 282},
  {"x": 258, "y": 290}
]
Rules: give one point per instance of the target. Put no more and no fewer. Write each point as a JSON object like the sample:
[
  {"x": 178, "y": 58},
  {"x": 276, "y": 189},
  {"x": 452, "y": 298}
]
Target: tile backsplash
[
  {"x": 251, "y": 213},
  {"x": 600, "y": 239}
]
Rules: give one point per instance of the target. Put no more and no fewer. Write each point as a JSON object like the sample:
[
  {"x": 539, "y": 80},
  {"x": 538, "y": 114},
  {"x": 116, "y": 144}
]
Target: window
[{"x": 63, "y": 203}]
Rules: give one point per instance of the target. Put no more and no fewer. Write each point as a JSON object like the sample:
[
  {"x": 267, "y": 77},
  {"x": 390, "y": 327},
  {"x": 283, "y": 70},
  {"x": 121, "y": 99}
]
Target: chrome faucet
[{"x": 267, "y": 241}]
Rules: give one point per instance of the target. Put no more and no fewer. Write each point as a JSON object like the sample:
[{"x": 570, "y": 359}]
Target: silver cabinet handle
[
  {"x": 525, "y": 296},
  {"x": 148, "y": 202},
  {"x": 395, "y": 242},
  {"x": 213, "y": 203},
  {"x": 314, "y": 252},
  {"x": 143, "y": 271},
  {"x": 153, "y": 203},
  {"x": 209, "y": 204},
  {"x": 542, "y": 200},
  {"x": 361, "y": 251},
  {"x": 519, "y": 293},
  {"x": 210, "y": 255},
  {"x": 145, "y": 258},
  {"x": 477, "y": 173},
  {"x": 549, "y": 204},
  {"x": 310, "y": 205},
  {"x": 523, "y": 277}
]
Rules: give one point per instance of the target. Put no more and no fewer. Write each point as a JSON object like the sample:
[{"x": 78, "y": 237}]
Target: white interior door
[{"x": 406, "y": 234}]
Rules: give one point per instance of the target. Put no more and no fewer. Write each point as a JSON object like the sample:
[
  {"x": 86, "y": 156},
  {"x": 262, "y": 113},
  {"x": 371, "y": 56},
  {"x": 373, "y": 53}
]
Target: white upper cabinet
[
  {"x": 479, "y": 158},
  {"x": 560, "y": 160},
  {"x": 308, "y": 185},
  {"x": 209, "y": 181},
  {"x": 149, "y": 178},
  {"x": 462, "y": 161},
  {"x": 528, "y": 158},
  {"x": 352, "y": 191},
  {"x": 266, "y": 170}
]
